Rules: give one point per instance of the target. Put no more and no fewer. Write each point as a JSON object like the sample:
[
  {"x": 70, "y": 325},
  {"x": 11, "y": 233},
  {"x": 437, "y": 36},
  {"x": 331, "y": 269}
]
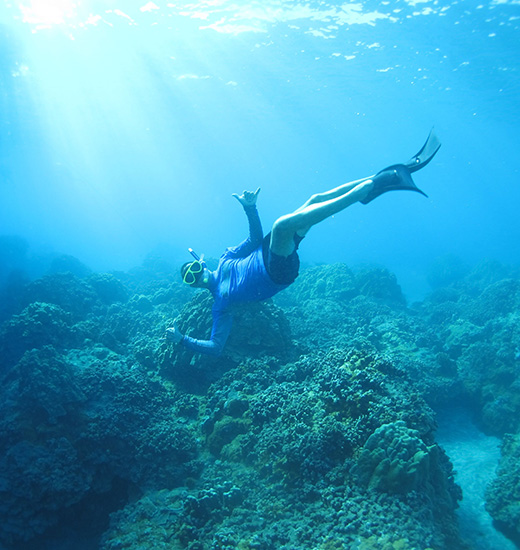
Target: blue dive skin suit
[{"x": 241, "y": 276}]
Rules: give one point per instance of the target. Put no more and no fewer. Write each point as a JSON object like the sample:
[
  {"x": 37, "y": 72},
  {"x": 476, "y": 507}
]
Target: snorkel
[{"x": 195, "y": 255}]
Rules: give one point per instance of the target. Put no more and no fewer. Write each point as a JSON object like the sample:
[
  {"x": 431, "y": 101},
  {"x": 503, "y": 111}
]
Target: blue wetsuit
[{"x": 241, "y": 276}]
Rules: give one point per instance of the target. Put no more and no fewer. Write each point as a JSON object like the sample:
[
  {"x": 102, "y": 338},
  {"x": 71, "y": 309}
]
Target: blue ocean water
[{"x": 124, "y": 128}]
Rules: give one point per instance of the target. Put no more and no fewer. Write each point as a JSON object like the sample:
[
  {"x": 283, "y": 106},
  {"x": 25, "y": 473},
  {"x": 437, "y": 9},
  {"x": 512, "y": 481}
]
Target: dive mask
[{"x": 191, "y": 275}]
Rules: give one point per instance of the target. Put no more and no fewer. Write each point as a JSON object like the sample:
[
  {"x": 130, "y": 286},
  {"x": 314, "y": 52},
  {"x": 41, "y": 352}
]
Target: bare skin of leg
[{"x": 318, "y": 208}]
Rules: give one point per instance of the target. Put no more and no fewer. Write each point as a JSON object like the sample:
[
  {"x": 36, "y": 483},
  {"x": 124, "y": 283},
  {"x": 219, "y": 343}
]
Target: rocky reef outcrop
[
  {"x": 287, "y": 446},
  {"x": 314, "y": 430},
  {"x": 503, "y": 493}
]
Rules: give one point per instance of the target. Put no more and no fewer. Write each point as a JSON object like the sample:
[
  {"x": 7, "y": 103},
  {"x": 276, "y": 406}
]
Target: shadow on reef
[
  {"x": 314, "y": 430},
  {"x": 84, "y": 522}
]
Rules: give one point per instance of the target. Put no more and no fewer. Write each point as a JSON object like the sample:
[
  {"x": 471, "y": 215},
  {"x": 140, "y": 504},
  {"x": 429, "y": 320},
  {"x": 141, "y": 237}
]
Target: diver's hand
[
  {"x": 247, "y": 198},
  {"x": 173, "y": 334}
]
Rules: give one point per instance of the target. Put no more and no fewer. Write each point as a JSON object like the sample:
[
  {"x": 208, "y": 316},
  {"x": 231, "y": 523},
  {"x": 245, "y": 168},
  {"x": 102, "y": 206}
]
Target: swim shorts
[{"x": 282, "y": 270}]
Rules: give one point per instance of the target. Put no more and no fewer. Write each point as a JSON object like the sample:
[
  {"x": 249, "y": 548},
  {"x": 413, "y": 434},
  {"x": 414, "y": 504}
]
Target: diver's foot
[{"x": 394, "y": 178}]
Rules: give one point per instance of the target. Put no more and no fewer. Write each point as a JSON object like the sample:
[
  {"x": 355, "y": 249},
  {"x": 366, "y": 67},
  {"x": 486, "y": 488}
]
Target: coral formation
[
  {"x": 38, "y": 325},
  {"x": 314, "y": 430},
  {"x": 503, "y": 494},
  {"x": 394, "y": 459}
]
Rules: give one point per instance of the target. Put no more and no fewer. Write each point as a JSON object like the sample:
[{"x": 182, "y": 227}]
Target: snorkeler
[{"x": 261, "y": 266}]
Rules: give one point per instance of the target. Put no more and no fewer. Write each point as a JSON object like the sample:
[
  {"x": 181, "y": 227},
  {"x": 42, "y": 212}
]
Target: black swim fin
[
  {"x": 423, "y": 157},
  {"x": 399, "y": 176},
  {"x": 393, "y": 178}
]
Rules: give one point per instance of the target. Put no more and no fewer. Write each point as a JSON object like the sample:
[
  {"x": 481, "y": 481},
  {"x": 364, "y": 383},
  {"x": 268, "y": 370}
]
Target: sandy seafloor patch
[{"x": 475, "y": 458}]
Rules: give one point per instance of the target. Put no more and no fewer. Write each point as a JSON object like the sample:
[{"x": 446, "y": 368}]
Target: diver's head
[{"x": 195, "y": 273}]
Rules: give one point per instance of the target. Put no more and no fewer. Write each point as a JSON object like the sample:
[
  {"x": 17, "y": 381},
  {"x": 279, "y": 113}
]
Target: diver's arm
[
  {"x": 255, "y": 225},
  {"x": 222, "y": 322},
  {"x": 248, "y": 202}
]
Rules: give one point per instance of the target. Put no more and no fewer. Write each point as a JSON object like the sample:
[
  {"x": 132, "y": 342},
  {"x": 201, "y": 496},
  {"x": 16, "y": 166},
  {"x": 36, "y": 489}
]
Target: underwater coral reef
[{"x": 315, "y": 430}]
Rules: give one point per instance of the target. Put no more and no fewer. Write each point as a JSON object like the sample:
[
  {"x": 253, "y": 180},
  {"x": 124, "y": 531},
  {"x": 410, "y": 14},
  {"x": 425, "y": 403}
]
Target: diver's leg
[
  {"x": 300, "y": 221},
  {"x": 331, "y": 194}
]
